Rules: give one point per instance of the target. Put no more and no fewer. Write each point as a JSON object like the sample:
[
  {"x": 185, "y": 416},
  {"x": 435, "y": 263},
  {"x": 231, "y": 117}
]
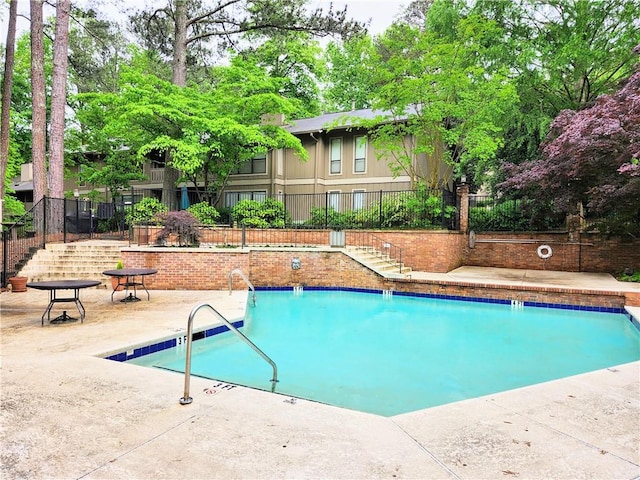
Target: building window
[
  {"x": 231, "y": 198},
  {"x": 82, "y": 171},
  {"x": 336, "y": 155},
  {"x": 357, "y": 199},
  {"x": 334, "y": 200},
  {"x": 360, "y": 154},
  {"x": 257, "y": 164}
]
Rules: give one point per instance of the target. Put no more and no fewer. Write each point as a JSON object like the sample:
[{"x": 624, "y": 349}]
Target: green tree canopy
[
  {"x": 205, "y": 133},
  {"x": 442, "y": 90}
]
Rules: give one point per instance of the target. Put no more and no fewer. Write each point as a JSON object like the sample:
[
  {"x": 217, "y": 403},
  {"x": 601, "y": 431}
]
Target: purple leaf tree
[{"x": 590, "y": 157}]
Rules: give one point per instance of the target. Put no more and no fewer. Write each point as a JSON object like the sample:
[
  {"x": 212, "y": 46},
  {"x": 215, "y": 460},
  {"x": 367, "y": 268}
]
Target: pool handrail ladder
[
  {"x": 246, "y": 280},
  {"x": 186, "y": 399}
]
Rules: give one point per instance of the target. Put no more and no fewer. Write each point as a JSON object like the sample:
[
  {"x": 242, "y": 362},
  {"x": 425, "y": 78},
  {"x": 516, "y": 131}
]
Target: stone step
[
  {"x": 73, "y": 261},
  {"x": 377, "y": 261}
]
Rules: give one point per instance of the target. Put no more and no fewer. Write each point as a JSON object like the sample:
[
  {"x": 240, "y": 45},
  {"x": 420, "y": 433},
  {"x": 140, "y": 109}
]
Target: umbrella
[{"x": 184, "y": 199}]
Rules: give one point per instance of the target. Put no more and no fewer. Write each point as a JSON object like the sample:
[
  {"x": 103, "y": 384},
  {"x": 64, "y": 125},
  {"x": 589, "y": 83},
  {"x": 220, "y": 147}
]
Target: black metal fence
[
  {"x": 488, "y": 214},
  {"x": 431, "y": 209},
  {"x": 56, "y": 220},
  {"x": 71, "y": 219},
  {"x": 434, "y": 209}
]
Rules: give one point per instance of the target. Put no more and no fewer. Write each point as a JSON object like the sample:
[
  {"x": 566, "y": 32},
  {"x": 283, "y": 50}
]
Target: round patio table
[
  {"x": 130, "y": 274},
  {"x": 52, "y": 286}
]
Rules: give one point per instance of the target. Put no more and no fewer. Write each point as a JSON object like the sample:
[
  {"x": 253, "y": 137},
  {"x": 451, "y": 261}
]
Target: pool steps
[{"x": 378, "y": 262}]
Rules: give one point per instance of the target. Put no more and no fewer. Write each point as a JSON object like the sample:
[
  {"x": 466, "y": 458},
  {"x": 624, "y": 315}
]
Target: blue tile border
[
  {"x": 137, "y": 352},
  {"x": 460, "y": 298}
]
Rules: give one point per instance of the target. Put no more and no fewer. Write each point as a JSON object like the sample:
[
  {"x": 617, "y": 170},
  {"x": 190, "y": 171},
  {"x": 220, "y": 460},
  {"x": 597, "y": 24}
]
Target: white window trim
[
  {"x": 338, "y": 197},
  {"x": 331, "y": 140},
  {"x": 355, "y": 150},
  {"x": 354, "y": 196}
]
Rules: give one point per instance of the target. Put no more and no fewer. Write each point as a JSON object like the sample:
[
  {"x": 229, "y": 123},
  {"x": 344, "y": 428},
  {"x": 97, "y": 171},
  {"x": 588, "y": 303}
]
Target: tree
[
  {"x": 59, "y": 100},
  {"x": 591, "y": 157},
  {"x": 7, "y": 82},
  {"x": 96, "y": 50},
  {"x": 441, "y": 90},
  {"x": 206, "y": 133},
  {"x": 564, "y": 53},
  {"x": 294, "y": 59},
  {"x": 351, "y": 80},
  {"x": 192, "y": 24},
  {"x": 39, "y": 109}
]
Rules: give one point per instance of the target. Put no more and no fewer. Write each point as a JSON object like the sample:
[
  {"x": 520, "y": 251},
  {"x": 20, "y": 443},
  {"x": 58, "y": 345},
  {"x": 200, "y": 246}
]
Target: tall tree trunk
[
  {"x": 39, "y": 112},
  {"x": 7, "y": 82},
  {"x": 59, "y": 99},
  {"x": 179, "y": 78}
]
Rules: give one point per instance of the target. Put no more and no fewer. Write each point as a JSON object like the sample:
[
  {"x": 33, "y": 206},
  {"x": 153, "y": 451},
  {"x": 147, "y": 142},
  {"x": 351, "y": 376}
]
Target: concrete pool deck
[{"x": 66, "y": 413}]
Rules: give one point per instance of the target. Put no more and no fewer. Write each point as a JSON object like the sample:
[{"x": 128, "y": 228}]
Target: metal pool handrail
[
  {"x": 244, "y": 277},
  {"x": 186, "y": 399}
]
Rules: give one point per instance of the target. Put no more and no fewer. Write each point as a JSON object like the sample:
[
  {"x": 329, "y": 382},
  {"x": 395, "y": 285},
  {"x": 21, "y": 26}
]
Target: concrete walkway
[{"x": 66, "y": 413}]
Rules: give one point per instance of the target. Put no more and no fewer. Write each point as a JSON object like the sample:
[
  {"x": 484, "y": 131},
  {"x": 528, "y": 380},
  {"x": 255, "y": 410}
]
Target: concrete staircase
[
  {"x": 378, "y": 262},
  {"x": 79, "y": 260}
]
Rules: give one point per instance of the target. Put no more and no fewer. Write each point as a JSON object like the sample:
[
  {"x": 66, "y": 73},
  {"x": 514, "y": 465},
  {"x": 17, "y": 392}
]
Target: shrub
[
  {"x": 183, "y": 224},
  {"x": 205, "y": 213},
  {"x": 145, "y": 211},
  {"x": 267, "y": 214}
]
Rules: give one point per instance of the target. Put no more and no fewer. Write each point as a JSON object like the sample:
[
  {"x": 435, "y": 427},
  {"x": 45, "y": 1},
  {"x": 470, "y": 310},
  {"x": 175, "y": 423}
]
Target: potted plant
[
  {"x": 115, "y": 281},
  {"x": 18, "y": 284}
]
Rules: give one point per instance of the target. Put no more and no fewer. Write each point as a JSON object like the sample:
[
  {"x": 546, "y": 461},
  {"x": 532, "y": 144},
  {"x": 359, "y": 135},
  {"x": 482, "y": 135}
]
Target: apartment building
[{"x": 341, "y": 159}]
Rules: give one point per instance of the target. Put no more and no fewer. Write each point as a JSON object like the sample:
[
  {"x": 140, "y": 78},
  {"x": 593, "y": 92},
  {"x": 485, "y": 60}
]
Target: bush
[
  {"x": 183, "y": 224},
  {"x": 145, "y": 212},
  {"x": 267, "y": 214},
  {"x": 420, "y": 209},
  {"x": 205, "y": 213}
]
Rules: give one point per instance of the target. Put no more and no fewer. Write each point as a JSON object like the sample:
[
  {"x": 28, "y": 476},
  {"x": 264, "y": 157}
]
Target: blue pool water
[{"x": 391, "y": 355}]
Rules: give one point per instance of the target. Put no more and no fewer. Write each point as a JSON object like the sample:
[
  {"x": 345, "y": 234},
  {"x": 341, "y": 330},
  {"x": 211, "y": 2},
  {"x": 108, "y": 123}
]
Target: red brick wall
[
  {"x": 187, "y": 268},
  {"x": 208, "y": 269},
  {"x": 587, "y": 253},
  {"x": 426, "y": 251},
  {"x": 443, "y": 251}
]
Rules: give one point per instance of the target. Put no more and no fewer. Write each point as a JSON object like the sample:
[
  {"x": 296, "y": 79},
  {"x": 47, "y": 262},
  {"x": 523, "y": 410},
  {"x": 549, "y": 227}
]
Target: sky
[{"x": 381, "y": 13}]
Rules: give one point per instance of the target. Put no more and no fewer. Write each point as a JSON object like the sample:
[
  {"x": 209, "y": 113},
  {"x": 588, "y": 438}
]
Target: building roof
[
  {"x": 22, "y": 186},
  {"x": 337, "y": 120}
]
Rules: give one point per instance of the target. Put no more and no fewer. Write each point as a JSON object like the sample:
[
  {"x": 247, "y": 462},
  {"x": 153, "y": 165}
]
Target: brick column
[{"x": 463, "y": 201}]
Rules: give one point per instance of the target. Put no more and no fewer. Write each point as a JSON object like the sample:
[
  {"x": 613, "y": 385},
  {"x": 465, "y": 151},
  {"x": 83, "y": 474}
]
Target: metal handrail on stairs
[
  {"x": 244, "y": 277},
  {"x": 369, "y": 240},
  {"x": 186, "y": 399}
]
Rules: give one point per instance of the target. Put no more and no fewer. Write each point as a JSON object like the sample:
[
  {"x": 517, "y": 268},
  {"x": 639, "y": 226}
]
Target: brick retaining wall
[
  {"x": 208, "y": 269},
  {"x": 582, "y": 253}
]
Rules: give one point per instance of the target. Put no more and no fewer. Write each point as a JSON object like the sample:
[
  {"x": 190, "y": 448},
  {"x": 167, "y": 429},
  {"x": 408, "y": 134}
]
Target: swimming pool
[{"x": 388, "y": 354}]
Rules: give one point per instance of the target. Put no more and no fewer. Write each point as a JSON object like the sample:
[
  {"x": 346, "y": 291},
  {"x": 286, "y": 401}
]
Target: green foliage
[
  {"x": 145, "y": 212},
  {"x": 269, "y": 213},
  {"x": 557, "y": 65},
  {"x": 419, "y": 209},
  {"x": 351, "y": 76},
  {"x": 183, "y": 224},
  {"x": 513, "y": 215},
  {"x": 442, "y": 89},
  {"x": 629, "y": 277},
  {"x": 205, "y": 133},
  {"x": 330, "y": 218},
  {"x": 205, "y": 213},
  {"x": 12, "y": 207},
  {"x": 502, "y": 216},
  {"x": 292, "y": 59}
]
